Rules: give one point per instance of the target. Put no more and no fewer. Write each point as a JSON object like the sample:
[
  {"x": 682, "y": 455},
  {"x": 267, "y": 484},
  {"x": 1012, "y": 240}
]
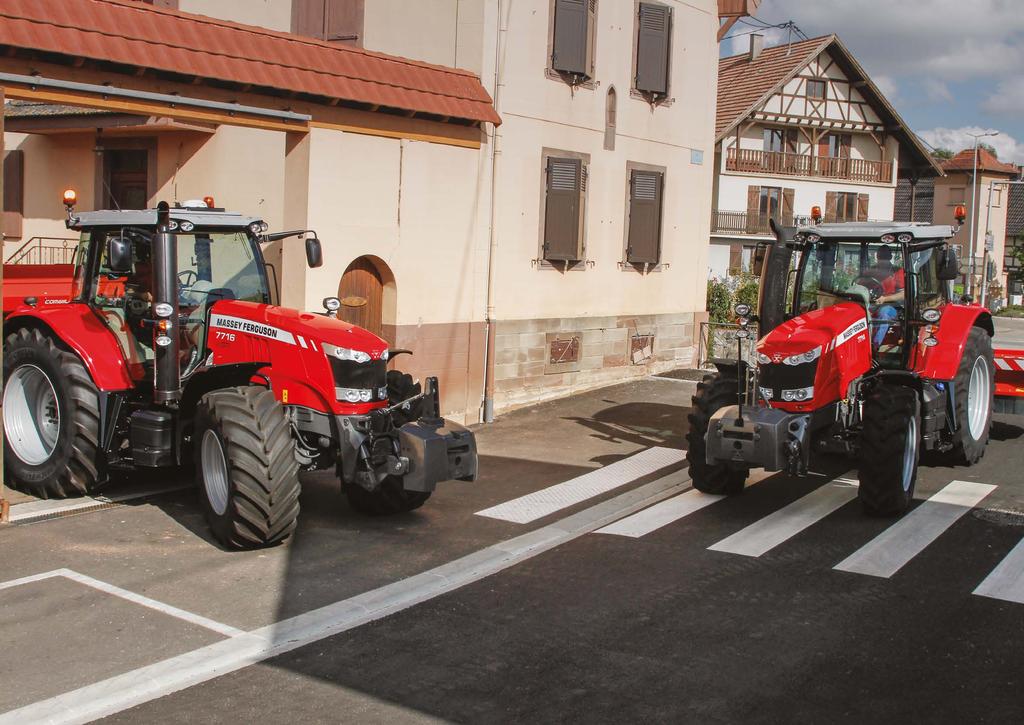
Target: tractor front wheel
[
  {"x": 974, "y": 387},
  {"x": 51, "y": 418},
  {"x": 714, "y": 392},
  {"x": 390, "y": 498},
  {"x": 246, "y": 468},
  {"x": 889, "y": 450}
]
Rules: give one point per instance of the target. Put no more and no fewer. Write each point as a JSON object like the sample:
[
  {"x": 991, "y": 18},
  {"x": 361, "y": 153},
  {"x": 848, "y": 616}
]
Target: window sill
[
  {"x": 580, "y": 265},
  {"x": 642, "y": 268},
  {"x": 566, "y": 79},
  {"x": 651, "y": 99}
]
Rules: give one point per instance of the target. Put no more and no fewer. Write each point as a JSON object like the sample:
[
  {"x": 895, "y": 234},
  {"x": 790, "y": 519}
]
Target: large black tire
[
  {"x": 889, "y": 450},
  {"x": 51, "y": 418},
  {"x": 970, "y": 440},
  {"x": 390, "y": 498},
  {"x": 714, "y": 392},
  {"x": 246, "y": 469}
]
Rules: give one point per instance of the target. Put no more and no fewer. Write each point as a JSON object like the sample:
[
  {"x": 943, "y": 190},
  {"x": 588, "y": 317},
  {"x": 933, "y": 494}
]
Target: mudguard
[
  {"x": 941, "y": 361},
  {"x": 79, "y": 329}
]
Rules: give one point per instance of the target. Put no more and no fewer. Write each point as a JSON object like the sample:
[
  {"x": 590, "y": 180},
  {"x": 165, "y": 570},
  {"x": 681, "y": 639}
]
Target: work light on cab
[{"x": 70, "y": 198}]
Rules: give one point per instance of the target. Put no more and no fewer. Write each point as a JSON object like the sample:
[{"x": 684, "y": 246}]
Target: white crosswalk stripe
[
  {"x": 1006, "y": 581},
  {"x": 668, "y": 511},
  {"x": 888, "y": 552},
  {"x": 764, "y": 535},
  {"x": 547, "y": 501}
]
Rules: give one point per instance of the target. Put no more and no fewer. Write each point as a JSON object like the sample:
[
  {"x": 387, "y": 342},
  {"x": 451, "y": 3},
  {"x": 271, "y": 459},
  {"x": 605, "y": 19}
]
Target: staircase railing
[{"x": 45, "y": 250}]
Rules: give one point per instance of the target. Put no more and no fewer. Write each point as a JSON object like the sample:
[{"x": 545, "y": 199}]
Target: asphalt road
[{"x": 693, "y": 609}]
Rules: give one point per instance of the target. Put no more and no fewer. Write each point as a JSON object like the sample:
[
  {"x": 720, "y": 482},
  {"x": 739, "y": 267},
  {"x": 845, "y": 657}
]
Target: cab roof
[
  {"x": 200, "y": 217},
  {"x": 874, "y": 230}
]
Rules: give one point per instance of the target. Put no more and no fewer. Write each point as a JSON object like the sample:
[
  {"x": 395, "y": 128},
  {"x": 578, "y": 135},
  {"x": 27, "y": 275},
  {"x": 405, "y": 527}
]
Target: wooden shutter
[
  {"x": 645, "y": 194},
  {"x": 344, "y": 21},
  {"x": 571, "y": 37},
  {"x": 787, "y": 206},
  {"x": 862, "y": 207},
  {"x": 14, "y": 193},
  {"x": 652, "y": 47},
  {"x": 172, "y": 4},
  {"x": 591, "y": 36},
  {"x": 753, "y": 208},
  {"x": 735, "y": 258},
  {"x": 308, "y": 17},
  {"x": 831, "y": 205},
  {"x": 563, "y": 212}
]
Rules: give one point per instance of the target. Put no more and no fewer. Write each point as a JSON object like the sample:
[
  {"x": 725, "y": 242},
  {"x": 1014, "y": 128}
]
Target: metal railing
[
  {"x": 45, "y": 250},
  {"x": 780, "y": 163},
  {"x": 718, "y": 339}
]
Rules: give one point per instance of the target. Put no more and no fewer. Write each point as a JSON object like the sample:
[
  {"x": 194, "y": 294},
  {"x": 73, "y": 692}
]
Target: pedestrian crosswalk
[{"x": 883, "y": 556}]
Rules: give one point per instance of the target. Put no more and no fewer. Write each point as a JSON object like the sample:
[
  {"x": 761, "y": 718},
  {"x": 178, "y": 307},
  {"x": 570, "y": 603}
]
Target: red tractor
[
  {"x": 161, "y": 349},
  {"x": 865, "y": 352}
]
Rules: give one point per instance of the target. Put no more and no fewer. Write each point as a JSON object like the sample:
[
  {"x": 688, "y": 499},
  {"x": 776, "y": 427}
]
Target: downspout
[{"x": 492, "y": 249}]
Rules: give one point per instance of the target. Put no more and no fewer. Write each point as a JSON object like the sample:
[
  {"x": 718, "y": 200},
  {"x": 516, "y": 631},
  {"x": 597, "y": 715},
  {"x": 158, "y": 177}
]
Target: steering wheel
[
  {"x": 187, "y": 278},
  {"x": 874, "y": 285}
]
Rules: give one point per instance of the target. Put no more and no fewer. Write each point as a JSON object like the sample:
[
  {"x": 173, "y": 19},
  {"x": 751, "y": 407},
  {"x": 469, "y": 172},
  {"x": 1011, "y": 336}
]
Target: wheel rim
[
  {"x": 910, "y": 454},
  {"x": 978, "y": 398},
  {"x": 215, "y": 473},
  {"x": 31, "y": 415}
]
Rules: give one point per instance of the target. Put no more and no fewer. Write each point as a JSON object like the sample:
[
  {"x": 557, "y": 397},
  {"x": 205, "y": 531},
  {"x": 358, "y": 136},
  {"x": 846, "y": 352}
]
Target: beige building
[{"x": 560, "y": 250}]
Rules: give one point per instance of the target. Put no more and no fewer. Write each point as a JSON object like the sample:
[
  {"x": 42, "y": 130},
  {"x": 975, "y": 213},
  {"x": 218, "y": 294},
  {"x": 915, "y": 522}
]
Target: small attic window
[{"x": 815, "y": 89}]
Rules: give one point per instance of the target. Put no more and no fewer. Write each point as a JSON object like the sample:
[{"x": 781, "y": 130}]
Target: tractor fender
[
  {"x": 941, "y": 361},
  {"x": 77, "y": 328}
]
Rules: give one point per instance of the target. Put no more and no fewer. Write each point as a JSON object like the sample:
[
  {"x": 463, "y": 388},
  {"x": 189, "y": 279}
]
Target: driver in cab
[{"x": 892, "y": 280}]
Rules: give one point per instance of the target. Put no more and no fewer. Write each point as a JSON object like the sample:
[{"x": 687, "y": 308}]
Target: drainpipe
[{"x": 492, "y": 249}]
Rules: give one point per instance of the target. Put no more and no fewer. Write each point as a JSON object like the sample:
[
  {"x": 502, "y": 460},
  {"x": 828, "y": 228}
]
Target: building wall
[{"x": 272, "y": 14}]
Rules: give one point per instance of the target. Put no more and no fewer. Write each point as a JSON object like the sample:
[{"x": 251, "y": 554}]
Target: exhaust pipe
[{"x": 166, "y": 371}]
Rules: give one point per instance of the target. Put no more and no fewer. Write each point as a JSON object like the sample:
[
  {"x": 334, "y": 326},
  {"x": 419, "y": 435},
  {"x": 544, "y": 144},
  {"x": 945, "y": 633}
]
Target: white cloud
[
  {"x": 958, "y": 139},
  {"x": 937, "y": 91},
  {"x": 1008, "y": 97}
]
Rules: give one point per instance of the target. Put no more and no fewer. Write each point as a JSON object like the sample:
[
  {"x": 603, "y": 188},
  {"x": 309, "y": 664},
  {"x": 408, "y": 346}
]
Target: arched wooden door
[{"x": 361, "y": 293}]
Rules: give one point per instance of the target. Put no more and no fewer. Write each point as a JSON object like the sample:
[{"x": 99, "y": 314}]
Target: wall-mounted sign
[{"x": 353, "y": 301}]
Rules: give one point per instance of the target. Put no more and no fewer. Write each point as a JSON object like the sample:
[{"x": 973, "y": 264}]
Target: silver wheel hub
[
  {"x": 978, "y": 398},
  {"x": 215, "y": 472},
  {"x": 31, "y": 415}
]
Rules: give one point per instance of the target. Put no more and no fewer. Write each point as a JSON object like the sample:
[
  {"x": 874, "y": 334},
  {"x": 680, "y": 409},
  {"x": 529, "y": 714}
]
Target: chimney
[{"x": 756, "y": 45}]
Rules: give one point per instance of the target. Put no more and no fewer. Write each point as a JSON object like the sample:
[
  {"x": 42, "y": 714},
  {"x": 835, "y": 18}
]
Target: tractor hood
[
  {"x": 294, "y": 327},
  {"x": 827, "y": 329}
]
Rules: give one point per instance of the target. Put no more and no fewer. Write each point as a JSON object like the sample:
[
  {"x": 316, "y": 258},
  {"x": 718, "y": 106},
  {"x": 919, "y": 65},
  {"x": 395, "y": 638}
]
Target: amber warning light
[
  {"x": 208, "y": 200},
  {"x": 70, "y": 197},
  {"x": 816, "y": 214},
  {"x": 960, "y": 213}
]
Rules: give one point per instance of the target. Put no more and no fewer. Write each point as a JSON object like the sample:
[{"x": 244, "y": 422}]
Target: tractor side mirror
[
  {"x": 949, "y": 265},
  {"x": 119, "y": 254},
  {"x": 314, "y": 253}
]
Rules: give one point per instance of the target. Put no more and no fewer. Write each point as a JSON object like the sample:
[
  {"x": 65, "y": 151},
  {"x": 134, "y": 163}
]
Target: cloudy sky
[{"x": 948, "y": 66}]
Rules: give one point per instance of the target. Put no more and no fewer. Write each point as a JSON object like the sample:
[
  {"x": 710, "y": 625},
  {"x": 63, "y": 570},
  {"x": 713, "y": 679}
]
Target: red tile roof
[
  {"x": 964, "y": 161},
  {"x": 134, "y": 34},
  {"x": 743, "y": 85}
]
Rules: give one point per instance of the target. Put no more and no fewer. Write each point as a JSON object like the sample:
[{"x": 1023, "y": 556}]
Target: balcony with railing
[
  {"x": 740, "y": 223},
  {"x": 777, "y": 163}
]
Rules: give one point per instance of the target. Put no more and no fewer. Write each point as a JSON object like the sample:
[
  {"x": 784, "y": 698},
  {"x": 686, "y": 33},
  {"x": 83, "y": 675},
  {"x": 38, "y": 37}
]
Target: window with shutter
[
  {"x": 787, "y": 206},
  {"x": 652, "y": 48},
  {"x": 172, "y": 4},
  {"x": 344, "y": 21},
  {"x": 572, "y": 42},
  {"x": 564, "y": 209},
  {"x": 308, "y": 17},
  {"x": 14, "y": 193},
  {"x": 862, "y": 207},
  {"x": 831, "y": 206},
  {"x": 645, "y": 194}
]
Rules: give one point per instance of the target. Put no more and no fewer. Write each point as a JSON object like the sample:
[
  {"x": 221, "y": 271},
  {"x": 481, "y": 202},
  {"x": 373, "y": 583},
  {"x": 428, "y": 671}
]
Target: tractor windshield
[{"x": 872, "y": 275}]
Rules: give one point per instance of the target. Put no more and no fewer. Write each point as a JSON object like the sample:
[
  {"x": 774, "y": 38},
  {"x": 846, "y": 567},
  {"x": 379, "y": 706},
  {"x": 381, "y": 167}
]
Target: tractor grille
[
  {"x": 786, "y": 377},
  {"x": 361, "y": 376}
]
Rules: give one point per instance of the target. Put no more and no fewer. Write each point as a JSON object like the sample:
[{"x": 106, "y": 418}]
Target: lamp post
[{"x": 974, "y": 203}]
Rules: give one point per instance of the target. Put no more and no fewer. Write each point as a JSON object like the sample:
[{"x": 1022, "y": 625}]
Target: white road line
[
  {"x": 767, "y": 533},
  {"x": 547, "y": 501},
  {"x": 51, "y": 507},
  {"x": 133, "y": 688},
  {"x": 220, "y": 628},
  {"x": 669, "y": 511},
  {"x": 888, "y": 552},
  {"x": 1006, "y": 581}
]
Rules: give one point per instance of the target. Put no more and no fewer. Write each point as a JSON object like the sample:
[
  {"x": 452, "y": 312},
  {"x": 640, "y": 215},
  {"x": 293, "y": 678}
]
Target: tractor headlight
[
  {"x": 766, "y": 393},
  {"x": 763, "y": 359},
  {"x": 931, "y": 316},
  {"x": 359, "y": 395},
  {"x": 384, "y": 355},
  {"x": 803, "y": 357},
  {"x": 187, "y": 226},
  {"x": 797, "y": 395},
  {"x": 343, "y": 353}
]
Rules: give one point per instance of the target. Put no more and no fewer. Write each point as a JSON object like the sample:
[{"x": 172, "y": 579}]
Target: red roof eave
[{"x": 134, "y": 34}]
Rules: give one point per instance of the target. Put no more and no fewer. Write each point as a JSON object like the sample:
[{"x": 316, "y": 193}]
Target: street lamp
[{"x": 974, "y": 202}]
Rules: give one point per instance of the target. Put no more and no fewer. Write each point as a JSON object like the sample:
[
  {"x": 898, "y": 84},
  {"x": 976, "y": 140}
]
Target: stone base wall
[{"x": 541, "y": 359}]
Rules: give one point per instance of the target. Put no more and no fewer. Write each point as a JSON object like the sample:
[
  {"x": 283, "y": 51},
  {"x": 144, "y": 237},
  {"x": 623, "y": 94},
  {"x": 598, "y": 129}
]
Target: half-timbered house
[{"x": 802, "y": 125}]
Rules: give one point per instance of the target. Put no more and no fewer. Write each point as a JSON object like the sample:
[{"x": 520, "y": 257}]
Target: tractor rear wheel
[
  {"x": 889, "y": 450},
  {"x": 974, "y": 388},
  {"x": 714, "y": 392},
  {"x": 246, "y": 468},
  {"x": 390, "y": 498},
  {"x": 51, "y": 418}
]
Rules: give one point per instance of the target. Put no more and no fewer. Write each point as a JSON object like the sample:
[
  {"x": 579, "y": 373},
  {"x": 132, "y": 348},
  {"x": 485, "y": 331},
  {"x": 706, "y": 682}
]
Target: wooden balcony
[
  {"x": 742, "y": 224},
  {"x": 775, "y": 163}
]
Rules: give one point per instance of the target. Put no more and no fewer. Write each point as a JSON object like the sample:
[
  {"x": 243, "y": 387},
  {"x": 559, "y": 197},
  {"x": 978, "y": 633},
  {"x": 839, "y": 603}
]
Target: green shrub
[{"x": 719, "y": 301}]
